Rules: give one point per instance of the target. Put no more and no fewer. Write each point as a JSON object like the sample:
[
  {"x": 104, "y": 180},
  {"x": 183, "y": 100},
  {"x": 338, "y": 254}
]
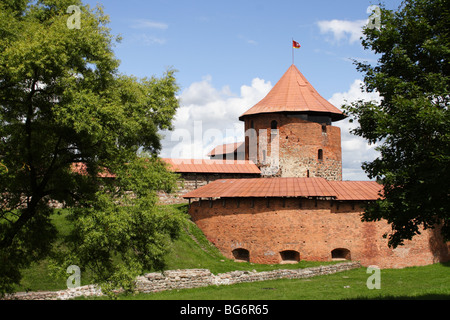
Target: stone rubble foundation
[{"x": 189, "y": 278}]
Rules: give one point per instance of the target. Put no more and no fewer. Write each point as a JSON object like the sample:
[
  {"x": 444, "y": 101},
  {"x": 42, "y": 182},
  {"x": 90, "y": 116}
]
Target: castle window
[
  {"x": 274, "y": 125},
  {"x": 324, "y": 128},
  {"x": 320, "y": 155},
  {"x": 241, "y": 255},
  {"x": 340, "y": 254},
  {"x": 273, "y": 130},
  {"x": 290, "y": 256},
  {"x": 252, "y": 125}
]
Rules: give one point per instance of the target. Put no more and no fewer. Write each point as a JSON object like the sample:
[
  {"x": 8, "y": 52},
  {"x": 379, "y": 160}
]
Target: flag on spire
[{"x": 295, "y": 45}]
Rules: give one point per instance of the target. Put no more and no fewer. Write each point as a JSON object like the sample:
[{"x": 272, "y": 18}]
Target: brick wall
[
  {"x": 299, "y": 145},
  {"x": 313, "y": 228},
  {"x": 191, "y": 181}
]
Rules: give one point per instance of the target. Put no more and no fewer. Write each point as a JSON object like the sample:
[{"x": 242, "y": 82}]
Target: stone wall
[
  {"x": 263, "y": 230},
  {"x": 191, "y": 278},
  {"x": 191, "y": 181},
  {"x": 299, "y": 142}
]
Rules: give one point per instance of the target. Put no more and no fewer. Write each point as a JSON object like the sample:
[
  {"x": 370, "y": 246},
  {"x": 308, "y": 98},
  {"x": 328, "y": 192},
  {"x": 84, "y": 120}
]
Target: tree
[
  {"x": 411, "y": 124},
  {"x": 64, "y": 105}
]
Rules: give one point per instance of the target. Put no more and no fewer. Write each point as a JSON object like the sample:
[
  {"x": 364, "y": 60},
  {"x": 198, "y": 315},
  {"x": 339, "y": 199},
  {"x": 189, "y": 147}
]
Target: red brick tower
[{"x": 289, "y": 133}]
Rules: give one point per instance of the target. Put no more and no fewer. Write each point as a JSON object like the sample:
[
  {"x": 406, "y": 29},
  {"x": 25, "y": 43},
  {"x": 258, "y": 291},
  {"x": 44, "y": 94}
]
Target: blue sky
[{"x": 230, "y": 53}]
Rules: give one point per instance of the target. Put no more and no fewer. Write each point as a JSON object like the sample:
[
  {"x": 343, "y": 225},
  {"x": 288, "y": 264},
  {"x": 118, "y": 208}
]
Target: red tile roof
[
  {"x": 190, "y": 165},
  {"x": 212, "y": 166},
  {"x": 288, "y": 187},
  {"x": 264, "y": 187},
  {"x": 356, "y": 190},
  {"x": 293, "y": 93},
  {"x": 80, "y": 168},
  {"x": 225, "y": 149}
]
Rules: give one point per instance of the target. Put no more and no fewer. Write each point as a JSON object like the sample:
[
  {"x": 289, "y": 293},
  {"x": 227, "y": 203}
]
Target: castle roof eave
[
  {"x": 293, "y": 93},
  {"x": 334, "y": 116}
]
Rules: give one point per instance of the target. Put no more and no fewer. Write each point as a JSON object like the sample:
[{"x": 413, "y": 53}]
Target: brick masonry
[
  {"x": 190, "y": 181},
  {"x": 313, "y": 228},
  {"x": 299, "y": 142}
]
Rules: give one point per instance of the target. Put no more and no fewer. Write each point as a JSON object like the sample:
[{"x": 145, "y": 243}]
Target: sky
[{"x": 229, "y": 54}]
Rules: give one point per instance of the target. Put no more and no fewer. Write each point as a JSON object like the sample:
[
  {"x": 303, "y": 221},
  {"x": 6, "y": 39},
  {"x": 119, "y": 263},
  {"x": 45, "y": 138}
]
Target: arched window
[
  {"x": 290, "y": 256},
  {"x": 274, "y": 125},
  {"x": 273, "y": 130},
  {"x": 320, "y": 155},
  {"x": 340, "y": 254},
  {"x": 241, "y": 255},
  {"x": 252, "y": 129}
]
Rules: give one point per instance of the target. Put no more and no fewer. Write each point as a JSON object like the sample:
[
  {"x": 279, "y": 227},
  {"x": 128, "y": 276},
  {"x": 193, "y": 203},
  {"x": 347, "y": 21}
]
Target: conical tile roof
[{"x": 293, "y": 93}]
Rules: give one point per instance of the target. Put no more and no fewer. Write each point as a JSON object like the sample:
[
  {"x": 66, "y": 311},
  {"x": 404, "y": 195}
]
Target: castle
[{"x": 279, "y": 196}]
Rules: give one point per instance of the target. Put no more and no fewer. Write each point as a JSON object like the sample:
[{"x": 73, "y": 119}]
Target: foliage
[
  {"x": 64, "y": 102},
  {"x": 411, "y": 123}
]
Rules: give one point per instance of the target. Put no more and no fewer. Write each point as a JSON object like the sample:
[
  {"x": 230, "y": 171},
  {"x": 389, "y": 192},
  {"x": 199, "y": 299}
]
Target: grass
[
  {"x": 190, "y": 251},
  {"x": 193, "y": 250},
  {"x": 423, "y": 283},
  {"x": 38, "y": 277}
]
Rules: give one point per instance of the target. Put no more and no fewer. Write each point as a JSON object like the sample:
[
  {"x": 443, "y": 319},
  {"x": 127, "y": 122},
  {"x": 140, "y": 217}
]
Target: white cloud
[
  {"x": 208, "y": 117},
  {"x": 355, "y": 150},
  {"x": 148, "y": 24},
  {"x": 354, "y": 93},
  {"x": 147, "y": 40},
  {"x": 350, "y": 31}
]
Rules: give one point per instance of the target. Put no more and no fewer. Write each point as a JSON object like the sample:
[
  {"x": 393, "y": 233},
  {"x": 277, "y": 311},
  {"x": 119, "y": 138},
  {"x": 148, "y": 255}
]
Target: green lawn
[
  {"x": 429, "y": 282},
  {"x": 192, "y": 250}
]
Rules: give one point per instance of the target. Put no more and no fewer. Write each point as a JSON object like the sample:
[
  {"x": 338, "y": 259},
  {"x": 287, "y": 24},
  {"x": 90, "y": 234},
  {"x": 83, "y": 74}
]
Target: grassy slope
[{"x": 192, "y": 250}]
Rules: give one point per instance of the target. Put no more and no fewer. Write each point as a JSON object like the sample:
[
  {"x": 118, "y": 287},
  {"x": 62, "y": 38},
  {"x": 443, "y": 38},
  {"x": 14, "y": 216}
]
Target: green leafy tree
[
  {"x": 71, "y": 127},
  {"x": 411, "y": 124}
]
